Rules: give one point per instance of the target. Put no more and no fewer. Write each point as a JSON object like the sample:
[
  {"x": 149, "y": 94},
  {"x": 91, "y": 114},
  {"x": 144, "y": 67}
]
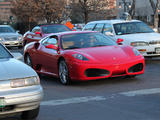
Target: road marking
[
  {"x": 73, "y": 100},
  {"x": 141, "y": 92}
]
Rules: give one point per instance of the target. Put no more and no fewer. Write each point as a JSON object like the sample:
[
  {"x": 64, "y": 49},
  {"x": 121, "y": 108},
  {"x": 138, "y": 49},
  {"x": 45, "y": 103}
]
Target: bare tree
[
  {"x": 133, "y": 8},
  {"x": 38, "y": 10},
  {"x": 87, "y": 7},
  {"x": 155, "y": 8},
  {"x": 51, "y": 10}
]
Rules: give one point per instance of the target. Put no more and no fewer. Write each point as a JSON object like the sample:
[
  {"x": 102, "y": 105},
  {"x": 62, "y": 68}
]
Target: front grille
[
  {"x": 96, "y": 72},
  {"x": 151, "y": 53},
  {"x": 154, "y": 42},
  {"x": 7, "y": 108},
  {"x": 136, "y": 68},
  {"x": 10, "y": 38},
  {"x": 117, "y": 73}
]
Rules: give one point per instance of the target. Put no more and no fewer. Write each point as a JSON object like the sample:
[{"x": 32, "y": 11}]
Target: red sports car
[
  {"x": 41, "y": 31},
  {"x": 82, "y": 56}
]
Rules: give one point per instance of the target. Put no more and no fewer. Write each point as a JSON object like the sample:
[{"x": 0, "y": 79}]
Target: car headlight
[
  {"x": 139, "y": 44},
  {"x": 136, "y": 52},
  {"x": 80, "y": 57},
  {"x": 25, "y": 82},
  {"x": 20, "y": 38}
]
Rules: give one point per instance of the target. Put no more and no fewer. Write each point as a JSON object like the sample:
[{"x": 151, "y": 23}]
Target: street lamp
[{"x": 126, "y": 5}]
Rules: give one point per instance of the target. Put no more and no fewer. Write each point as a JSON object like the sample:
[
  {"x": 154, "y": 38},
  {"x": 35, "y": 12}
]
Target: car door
[{"x": 48, "y": 56}]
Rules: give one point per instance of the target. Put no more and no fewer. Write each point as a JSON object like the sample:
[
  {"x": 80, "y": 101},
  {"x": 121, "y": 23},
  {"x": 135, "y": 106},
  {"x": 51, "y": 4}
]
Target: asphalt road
[{"x": 109, "y": 99}]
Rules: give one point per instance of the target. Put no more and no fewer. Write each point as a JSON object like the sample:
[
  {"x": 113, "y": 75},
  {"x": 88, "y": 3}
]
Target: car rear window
[{"x": 4, "y": 53}]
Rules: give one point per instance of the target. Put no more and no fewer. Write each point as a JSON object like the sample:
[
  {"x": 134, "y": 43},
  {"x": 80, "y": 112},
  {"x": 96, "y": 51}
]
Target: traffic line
[
  {"x": 141, "y": 92},
  {"x": 73, "y": 100}
]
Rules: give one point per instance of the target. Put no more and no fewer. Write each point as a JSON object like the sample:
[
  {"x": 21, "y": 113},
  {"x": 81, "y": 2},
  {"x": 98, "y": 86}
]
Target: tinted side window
[
  {"x": 89, "y": 27},
  {"x": 107, "y": 28},
  {"x": 99, "y": 27}
]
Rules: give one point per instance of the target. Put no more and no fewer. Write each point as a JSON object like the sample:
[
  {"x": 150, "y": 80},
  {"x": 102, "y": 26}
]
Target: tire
[
  {"x": 28, "y": 60},
  {"x": 31, "y": 114},
  {"x": 64, "y": 73}
]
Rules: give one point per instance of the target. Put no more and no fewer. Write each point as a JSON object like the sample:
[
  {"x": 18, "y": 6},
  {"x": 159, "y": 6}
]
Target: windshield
[
  {"x": 131, "y": 28},
  {"x": 54, "y": 29},
  {"x": 85, "y": 40},
  {"x": 4, "y": 53},
  {"x": 6, "y": 30}
]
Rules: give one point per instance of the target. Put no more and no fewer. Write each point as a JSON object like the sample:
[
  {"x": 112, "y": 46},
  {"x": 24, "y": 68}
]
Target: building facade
[{"x": 5, "y": 11}]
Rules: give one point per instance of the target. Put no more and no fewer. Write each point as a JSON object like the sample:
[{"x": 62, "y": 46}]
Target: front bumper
[
  {"x": 78, "y": 70},
  {"x": 15, "y": 43},
  {"x": 151, "y": 50},
  {"x": 21, "y": 99}
]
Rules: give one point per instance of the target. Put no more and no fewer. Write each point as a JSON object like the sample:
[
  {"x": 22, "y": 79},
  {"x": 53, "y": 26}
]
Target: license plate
[
  {"x": 2, "y": 102},
  {"x": 158, "y": 50}
]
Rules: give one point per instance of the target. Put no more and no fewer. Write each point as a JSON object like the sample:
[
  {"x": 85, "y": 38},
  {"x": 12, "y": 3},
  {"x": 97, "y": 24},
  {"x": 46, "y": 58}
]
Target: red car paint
[
  {"x": 36, "y": 36},
  {"x": 115, "y": 59}
]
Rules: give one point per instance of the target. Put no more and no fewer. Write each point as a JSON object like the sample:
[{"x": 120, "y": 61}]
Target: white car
[
  {"x": 9, "y": 37},
  {"x": 129, "y": 32},
  {"x": 20, "y": 89}
]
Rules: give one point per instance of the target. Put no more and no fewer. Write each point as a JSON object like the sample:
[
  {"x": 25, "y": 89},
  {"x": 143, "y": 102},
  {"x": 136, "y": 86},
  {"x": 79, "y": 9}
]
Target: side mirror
[
  {"x": 52, "y": 47},
  {"x": 109, "y": 34},
  {"x": 119, "y": 41}
]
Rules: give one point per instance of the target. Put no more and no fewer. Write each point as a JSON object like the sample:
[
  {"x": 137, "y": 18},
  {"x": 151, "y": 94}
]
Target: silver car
[
  {"x": 20, "y": 89},
  {"x": 9, "y": 37}
]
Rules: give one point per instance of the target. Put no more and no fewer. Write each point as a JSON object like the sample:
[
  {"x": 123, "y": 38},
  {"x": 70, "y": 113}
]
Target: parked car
[
  {"x": 20, "y": 89},
  {"x": 130, "y": 32},
  {"x": 82, "y": 56},
  {"x": 41, "y": 31},
  {"x": 9, "y": 37}
]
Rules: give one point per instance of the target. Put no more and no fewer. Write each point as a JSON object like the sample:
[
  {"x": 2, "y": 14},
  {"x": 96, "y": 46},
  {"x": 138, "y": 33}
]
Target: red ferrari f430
[{"x": 82, "y": 56}]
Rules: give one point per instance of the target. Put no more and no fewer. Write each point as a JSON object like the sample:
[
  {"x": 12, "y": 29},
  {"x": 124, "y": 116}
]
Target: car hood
[
  {"x": 109, "y": 54},
  {"x": 147, "y": 37},
  {"x": 12, "y": 69}
]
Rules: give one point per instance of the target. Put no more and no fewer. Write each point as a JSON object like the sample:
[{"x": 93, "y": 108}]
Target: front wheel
[
  {"x": 31, "y": 114},
  {"x": 64, "y": 73}
]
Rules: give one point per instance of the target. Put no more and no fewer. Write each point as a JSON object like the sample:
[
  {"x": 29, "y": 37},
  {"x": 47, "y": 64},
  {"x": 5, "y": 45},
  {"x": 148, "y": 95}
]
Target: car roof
[
  {"x": 113, "y": 21},
  {"x": 48, "y": 24},
  {"x": 71, "y": 32}
]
